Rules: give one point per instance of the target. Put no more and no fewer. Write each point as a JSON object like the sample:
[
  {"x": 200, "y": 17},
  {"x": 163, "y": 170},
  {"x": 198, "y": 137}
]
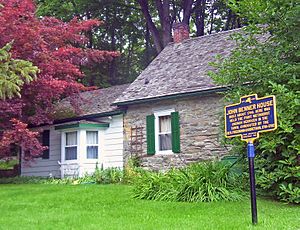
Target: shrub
[
  {"x": 108, "y": 176},
  {"x": 100, "y": 176},
  {"x": 269, "y": 66},
  {"x": 131, "y": 170},
  {"x": 201, "y": 182},
  {"x": 9, "y": 164},
  {"x": 19, "y": 180}
]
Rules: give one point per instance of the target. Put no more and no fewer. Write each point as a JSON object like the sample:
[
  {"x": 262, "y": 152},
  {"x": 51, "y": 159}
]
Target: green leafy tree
[
  {"x": 124, "y": 30},
  {"x": 266, "y": 62},
  {"x": 138, "y": 29},
  {"x": 14, "y": 73}
]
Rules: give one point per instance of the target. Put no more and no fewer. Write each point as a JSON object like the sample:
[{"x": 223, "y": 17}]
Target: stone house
[
  {"x": 168, "y": 117},
  {"x": 173, "y": 108}
]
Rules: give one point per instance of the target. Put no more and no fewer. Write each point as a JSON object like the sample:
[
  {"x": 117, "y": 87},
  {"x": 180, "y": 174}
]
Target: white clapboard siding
[
  {"x": 113, "y": 143},
  {"x": 46, "y": 167},
  {"x": 111, "y": 153}
]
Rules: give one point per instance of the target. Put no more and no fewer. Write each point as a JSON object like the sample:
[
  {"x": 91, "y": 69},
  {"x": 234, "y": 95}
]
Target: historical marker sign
[
  {"x": 250, "y": 117},
  {"x": 247, "y": 119}
]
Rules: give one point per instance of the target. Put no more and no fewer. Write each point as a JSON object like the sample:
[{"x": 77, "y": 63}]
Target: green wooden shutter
[
  {"x": 175, "y": 132},
  {"x": 150, "y": 134}
]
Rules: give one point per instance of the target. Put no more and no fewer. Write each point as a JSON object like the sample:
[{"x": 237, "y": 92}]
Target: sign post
[
  {"x": 247, "y": 119},
  {"x": 251, "y": 155}
]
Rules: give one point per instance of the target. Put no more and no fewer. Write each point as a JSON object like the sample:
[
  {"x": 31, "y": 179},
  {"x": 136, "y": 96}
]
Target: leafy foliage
[
  {"x": 8, "y": 164},
  {"x": 201, "y": 182},
  {"x": 266, "y": 62},
  {"x": 27, "y": 139},
  {"x": 136, "y": 36},
  {"x": 59, "y": 50},
  {"x": 123, "y": 30},
  {"x": 100, "y": 176},
  {"x": 14, "y": 73},
  {"x": 108, "y": 176}
]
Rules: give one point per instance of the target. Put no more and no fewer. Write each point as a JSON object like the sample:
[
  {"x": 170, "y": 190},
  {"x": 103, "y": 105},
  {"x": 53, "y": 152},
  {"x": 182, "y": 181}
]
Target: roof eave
[
  {"x": 173, "y": 96},
  {"x": 83, "y": 117},
  {"x": 90, "y": 116}
]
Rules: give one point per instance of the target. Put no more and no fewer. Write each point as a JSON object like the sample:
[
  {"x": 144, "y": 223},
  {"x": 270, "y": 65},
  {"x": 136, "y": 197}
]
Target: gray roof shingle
[
  {"x": 91, "y": 102},
  {"x": 180, "y": 68}
]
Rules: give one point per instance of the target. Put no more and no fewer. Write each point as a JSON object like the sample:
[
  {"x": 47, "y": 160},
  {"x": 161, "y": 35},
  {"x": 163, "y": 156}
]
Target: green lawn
[{"x": 111, "y": 207}]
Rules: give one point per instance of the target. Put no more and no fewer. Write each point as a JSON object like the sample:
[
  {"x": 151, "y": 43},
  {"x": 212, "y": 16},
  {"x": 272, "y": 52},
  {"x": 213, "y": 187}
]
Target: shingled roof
[
  {"x": 91, "y": 102},
  {"x": 179, "y": 69}
]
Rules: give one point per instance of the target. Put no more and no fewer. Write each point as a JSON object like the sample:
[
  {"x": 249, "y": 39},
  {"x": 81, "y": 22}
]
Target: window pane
[
  {"x": 71, "y": 153},
  {"x": 91, "y": 137},
  {"x": 46, "y": 142},
  {"x": 165, "y": 124},
  {"x": 92, "y": 152},
  {"x": 165, "y": 142},
  {"x": 71, "y": 138}
]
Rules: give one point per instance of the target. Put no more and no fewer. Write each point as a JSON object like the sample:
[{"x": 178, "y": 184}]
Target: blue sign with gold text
[{"x": 250, "y": 117}]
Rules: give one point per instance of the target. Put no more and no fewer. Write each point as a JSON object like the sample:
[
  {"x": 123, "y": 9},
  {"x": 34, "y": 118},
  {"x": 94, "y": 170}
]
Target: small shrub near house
[
  {"x": 100, "y": 176},
  {"x": 201, "y": 182},
  {"x": 108, "y": 176}
]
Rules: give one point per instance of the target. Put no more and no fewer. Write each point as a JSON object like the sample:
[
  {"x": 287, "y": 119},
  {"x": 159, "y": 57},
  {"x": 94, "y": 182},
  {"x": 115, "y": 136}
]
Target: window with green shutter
[
  {"x": 175, "y": 126},
  {"x": 150, "y": 124},
  {"x": 163, "y": 132}
]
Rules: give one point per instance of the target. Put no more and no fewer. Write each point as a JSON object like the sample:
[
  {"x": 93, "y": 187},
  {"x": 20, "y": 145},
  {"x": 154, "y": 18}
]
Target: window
[
  {"x": 46, "y": 142},
  {"x": 71, "y": 146},
  {"x": 164, "y": 133},
  {"x": 92, "y": 144}
]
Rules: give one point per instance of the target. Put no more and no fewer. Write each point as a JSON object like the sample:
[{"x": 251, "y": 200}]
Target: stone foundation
[{"x": 199, "y": 131}]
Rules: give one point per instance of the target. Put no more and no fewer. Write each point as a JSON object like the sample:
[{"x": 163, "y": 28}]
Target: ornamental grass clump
[{"x": 201, "y": 182}]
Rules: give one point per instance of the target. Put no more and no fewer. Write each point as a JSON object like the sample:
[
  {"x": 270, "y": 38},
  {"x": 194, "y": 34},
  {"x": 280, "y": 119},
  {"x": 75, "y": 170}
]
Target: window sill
[
  {"x": 70, "y": 162},
  {"x": 166, "y": 152},
  {"x": 91, "y": 160}
]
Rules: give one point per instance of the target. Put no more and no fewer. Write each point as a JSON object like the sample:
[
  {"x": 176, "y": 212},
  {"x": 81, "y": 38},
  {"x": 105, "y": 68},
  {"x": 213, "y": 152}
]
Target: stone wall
[{"x": 199, "y": 131}]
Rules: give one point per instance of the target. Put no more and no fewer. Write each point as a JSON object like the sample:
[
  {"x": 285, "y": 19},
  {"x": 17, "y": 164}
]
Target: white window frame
[
  {"x": 82, "y": 147},
  {"x": 64, "y": 145},
  {"x": 158, "y": 114},
  {"x": 98, "y": 145}
]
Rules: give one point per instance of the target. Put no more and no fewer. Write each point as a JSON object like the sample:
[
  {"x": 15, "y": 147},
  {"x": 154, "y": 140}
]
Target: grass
[{"x": 111, "y": 207}]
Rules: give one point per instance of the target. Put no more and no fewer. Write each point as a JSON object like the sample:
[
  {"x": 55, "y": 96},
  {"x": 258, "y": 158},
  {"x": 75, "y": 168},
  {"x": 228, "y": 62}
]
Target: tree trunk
[
  {"x": 154, "y": 31},
  {"x": 90, "y": 32},
  {"x": 200, "y": 17},
  {"x": 187, "y": 11},
  {"x": 147, "y": 44},
  {"x": 112, "y": 64},
  {"x": 211, "y": 17},
  {"x": 163, "y": 9},
  {"x": 228, "y": 21}
]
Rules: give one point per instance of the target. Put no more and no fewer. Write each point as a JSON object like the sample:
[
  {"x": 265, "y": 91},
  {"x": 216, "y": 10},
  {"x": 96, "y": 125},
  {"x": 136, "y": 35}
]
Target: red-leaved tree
[{"x": 58, "y": 49}]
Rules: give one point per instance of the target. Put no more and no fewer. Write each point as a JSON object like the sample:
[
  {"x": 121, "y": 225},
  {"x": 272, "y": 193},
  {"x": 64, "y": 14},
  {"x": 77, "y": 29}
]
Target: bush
[
  {"x": 266, "y": 62},
  {"x": 132, "y": 170},
  {"x": 201, "y": 182},
  {"x": 108, "y": 176},
  {"x": 9, "y": 164},
  {"x": 100, "y": 176},
  {"x": 22, "y": 180}
]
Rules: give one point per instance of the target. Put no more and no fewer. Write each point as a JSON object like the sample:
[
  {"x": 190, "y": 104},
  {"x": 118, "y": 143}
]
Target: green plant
[
  {"x": 108, "y": 176},
  {"x": 22, "y": 180},
  {"x": 201, "y": 182},
  {"x": 132, "y": 170},
  {"x": 289, "y": 193},
  {"x": 266, "y": 62},
  {"x": 8, "y": 164}
]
